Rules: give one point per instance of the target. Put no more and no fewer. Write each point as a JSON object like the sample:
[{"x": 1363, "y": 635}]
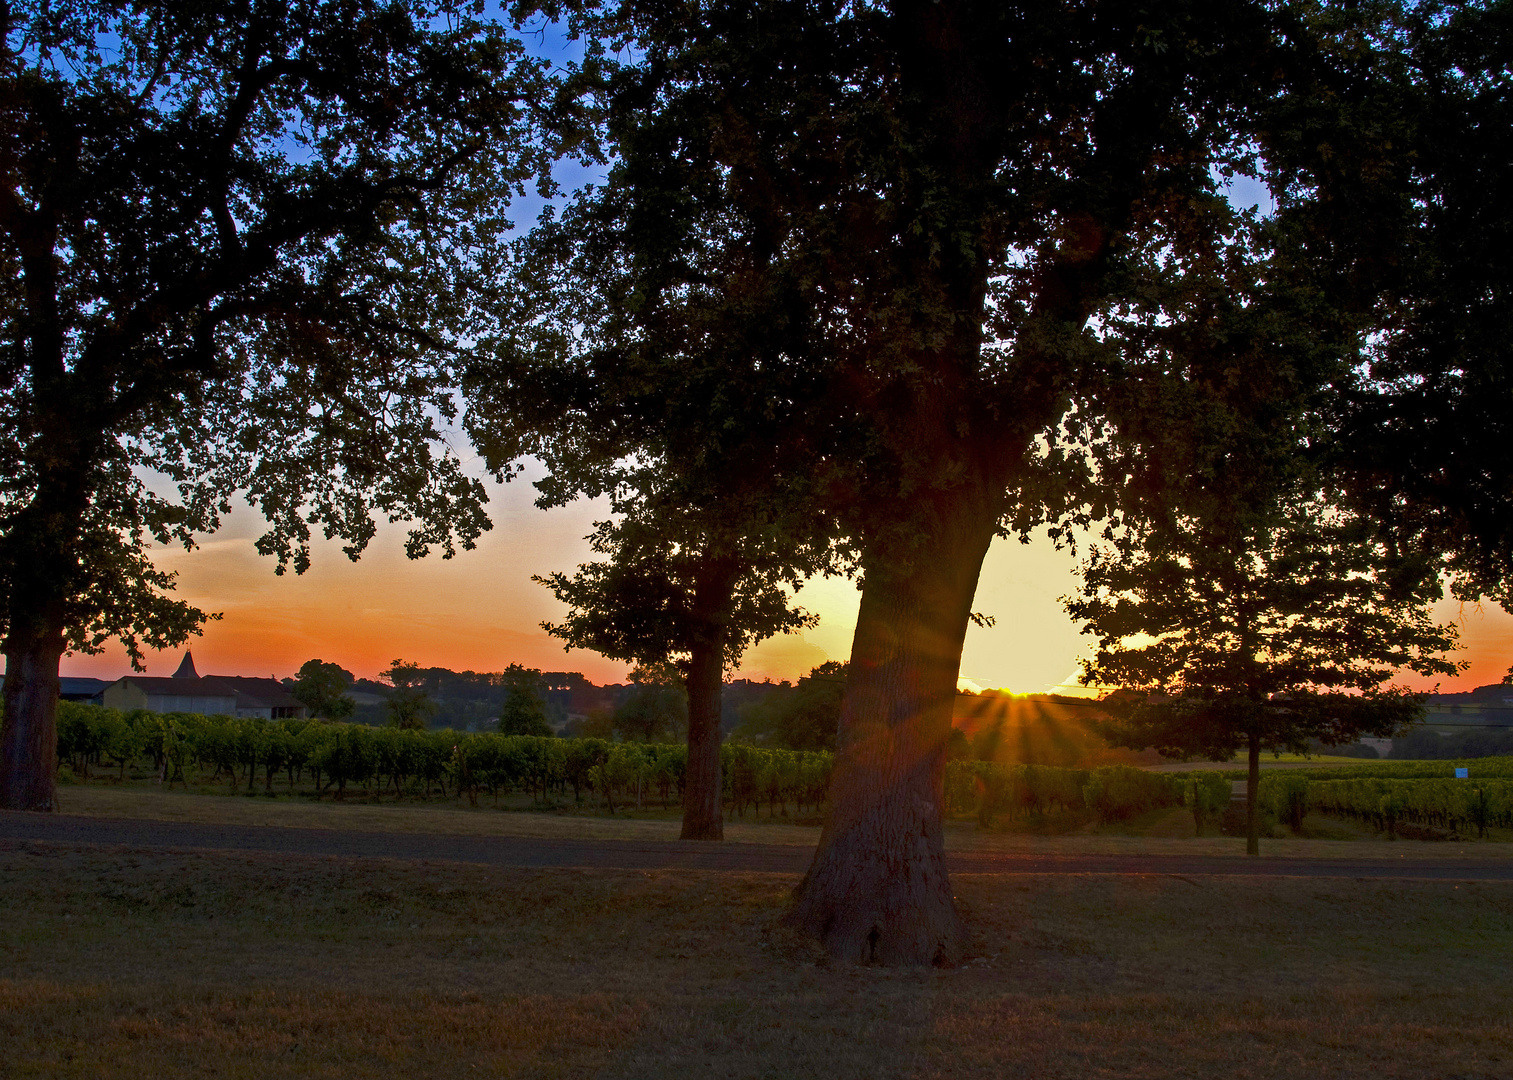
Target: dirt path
[{"x": 38, "y": 831}]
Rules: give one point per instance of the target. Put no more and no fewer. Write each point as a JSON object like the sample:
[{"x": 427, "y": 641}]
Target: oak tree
[
  {"x": 921, "y": 215},
  {"x": 650, "y": 354},
  {"x": 942, "y": 196},
  {"x": 245, "y": 241},
  {"x": 692, "y": 588}
]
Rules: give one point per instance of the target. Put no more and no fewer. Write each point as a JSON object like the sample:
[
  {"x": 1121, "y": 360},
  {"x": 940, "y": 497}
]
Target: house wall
[
  {"x": 209, "y": 706},
  {"x": 124, "y": 696}
]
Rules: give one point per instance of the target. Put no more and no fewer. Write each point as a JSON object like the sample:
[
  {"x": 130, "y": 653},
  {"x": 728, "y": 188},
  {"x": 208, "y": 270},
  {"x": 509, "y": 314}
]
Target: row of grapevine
[
  {"x": 1443, "y": 803},
  {"x": 989, "y": 789},
  {"x": 1488, "y": 768},
  {"x": 377, "y": 761}
]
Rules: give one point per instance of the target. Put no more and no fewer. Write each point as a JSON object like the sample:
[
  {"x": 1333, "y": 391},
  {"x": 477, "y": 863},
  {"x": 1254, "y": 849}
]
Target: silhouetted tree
[
  {"x": 1279, "y": 625},
  {"x": 915, "y": 227},
  {"x": 920, "y": 209},
  {"x": 1424, "y": 434},
  {"x": 660, "y": 383},
  {"x": 524, "y": 709},
  {"x": 656, "y": 708},
  {"x": 325, "y": 689},
  {"x": 245, "y": 240},
  {"x": 689, "y": 588},
  {"x": 409, "y": 705},
  {"x": 803, "y": 717}
]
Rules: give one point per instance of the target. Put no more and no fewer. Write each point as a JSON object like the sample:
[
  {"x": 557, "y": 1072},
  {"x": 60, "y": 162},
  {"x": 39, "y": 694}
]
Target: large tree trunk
[
  {"x": 42, "y": 551},
  {"x": 702, "y": 819},
  {"x": 29, "y": 729},
  {"x": 41, "y": 554},
  {"x": 878, "y": 889}
]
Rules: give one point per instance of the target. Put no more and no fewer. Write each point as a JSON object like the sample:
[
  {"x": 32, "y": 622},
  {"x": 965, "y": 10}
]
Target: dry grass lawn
[
  {"x": 167, "y": 966},
  {"x": 1167, "y": 832}
]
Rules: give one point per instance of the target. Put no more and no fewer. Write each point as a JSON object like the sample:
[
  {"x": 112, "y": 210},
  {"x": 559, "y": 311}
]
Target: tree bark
[
  {"x": 702, "y": 819},
  {"x": 29, "y": 730},
  {"x": 878, "y": 889},
  {"x": 42, "y": 542},
  {"x": 1252, "y": 790}
]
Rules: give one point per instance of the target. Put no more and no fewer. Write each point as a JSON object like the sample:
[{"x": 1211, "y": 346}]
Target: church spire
[{"x": 186, "y": 668}]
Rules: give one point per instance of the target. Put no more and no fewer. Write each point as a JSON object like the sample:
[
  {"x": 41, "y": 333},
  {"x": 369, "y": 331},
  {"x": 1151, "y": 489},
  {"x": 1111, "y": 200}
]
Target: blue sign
[{"x": 1462, "y": 774}]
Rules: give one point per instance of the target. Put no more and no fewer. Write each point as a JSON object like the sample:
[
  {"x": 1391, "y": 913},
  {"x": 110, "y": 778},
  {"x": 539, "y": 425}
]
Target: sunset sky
[{"x": 481, "y": 611}]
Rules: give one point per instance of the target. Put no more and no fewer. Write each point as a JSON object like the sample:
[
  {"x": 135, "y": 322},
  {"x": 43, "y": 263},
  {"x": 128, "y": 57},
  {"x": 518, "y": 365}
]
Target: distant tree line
[{"x": 651, "y": 707}]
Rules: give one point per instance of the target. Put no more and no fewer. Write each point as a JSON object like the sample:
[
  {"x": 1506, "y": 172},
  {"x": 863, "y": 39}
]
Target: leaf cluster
[{"x": 1424, "y": 433}]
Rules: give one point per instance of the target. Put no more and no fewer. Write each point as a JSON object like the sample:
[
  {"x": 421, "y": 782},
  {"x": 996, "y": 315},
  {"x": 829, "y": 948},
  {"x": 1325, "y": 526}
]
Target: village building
[
  {"x": 267, "y": 698},
  {"x": 207, "y": 696},
  {"x": 211, "y": 695},
  {"x": 85, "y": 691}
]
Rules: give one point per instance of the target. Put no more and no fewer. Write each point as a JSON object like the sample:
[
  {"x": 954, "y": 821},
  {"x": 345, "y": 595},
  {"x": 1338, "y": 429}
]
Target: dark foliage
[
  {"x": 802, "y": 717},
  {"x": 523, "y": 711},
  {"x": 324, "y": 688}
]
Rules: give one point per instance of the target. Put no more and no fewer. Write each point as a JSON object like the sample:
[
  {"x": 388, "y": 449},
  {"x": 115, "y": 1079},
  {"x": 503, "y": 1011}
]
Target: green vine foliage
[{"x": 341, "y": 758}]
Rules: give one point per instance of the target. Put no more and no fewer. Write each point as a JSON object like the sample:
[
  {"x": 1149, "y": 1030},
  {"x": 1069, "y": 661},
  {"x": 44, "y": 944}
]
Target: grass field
[
  {"x": 1161, "y": 832},
  {"x": 125, "y": 965}
]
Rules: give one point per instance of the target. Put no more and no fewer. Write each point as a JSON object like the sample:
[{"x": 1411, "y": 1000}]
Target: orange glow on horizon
[{"x": 481, "y": 611}]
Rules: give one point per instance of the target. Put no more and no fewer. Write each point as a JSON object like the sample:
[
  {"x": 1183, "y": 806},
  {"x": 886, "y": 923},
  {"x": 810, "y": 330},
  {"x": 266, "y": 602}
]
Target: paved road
[{"x": 53, "y": 830}]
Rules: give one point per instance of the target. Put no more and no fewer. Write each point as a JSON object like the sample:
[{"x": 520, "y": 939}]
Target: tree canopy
[
  {"x": 655, "y": 709},
  {"x": 802, "y": 717},
  {"x": 408, "y": 704},
  {"x": 910, "y": 223},
  {"x": 325, "y": 689},
  {"x": 524, "y": 709},
  {"x": 1424, "y": 434},
  {"x": 654, "y": 354}
]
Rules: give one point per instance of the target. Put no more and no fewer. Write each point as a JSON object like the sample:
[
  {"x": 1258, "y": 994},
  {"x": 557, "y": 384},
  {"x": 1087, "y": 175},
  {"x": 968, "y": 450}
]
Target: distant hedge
[{"x": 1486, "y": 768}]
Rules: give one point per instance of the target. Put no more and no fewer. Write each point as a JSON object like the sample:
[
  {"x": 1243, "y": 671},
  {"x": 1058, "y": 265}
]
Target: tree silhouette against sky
[
  {"x": 1278, "y": 625},
  {"x": 247, "y": 241}
]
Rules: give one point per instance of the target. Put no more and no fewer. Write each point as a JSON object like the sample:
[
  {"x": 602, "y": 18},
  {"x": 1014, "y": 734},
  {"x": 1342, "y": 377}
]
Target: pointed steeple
[{"x": 186, "y": 668}]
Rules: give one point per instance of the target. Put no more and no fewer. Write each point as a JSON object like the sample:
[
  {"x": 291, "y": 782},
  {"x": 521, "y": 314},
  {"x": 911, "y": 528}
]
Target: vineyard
[
  {"x": 988, "y": 790},
  {"x": 343, "y": 759},
  {"x": 185, "y": 748},
  {"x": 1487, "y": 768},
  {"x": 1437, "y": 802}
]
